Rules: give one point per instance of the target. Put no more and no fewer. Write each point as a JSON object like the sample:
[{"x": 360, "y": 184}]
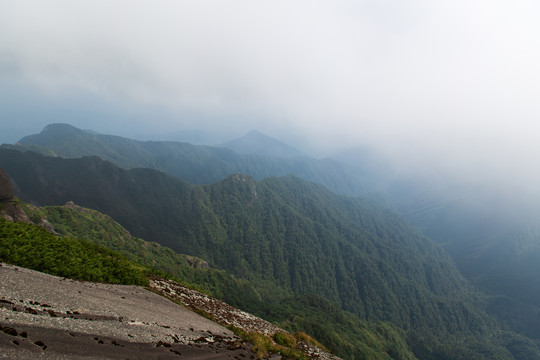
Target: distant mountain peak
[
  {"x": 9, "y": 207},
  {"x": 256, "y": 133},
  {"x": 257, "y": 143},
  {"x": 259, "y": 135},
  {"x": 61, "y": 127},
  {"x": 53, "y": 134}
]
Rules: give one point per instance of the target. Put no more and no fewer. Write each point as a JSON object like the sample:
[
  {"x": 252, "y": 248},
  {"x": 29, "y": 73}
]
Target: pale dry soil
[{"x": 48, "y": 317}]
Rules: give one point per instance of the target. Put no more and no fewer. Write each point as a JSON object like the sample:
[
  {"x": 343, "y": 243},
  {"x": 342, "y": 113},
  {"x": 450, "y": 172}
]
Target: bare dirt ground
[{"x": 48, "y": 317}]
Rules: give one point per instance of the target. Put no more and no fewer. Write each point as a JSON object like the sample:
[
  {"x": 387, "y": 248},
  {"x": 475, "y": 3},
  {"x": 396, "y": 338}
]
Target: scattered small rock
[
  {"x": 30, "y": 310},
  {"x": 10, "y": 331},
  {"x": 41, "y": 344},
  {"x": 161, "y": 343}
]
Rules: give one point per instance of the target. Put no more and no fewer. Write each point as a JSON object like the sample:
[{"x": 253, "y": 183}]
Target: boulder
[
  {"x": 9, "y": 208},
  {"x": 6, "y": 189}
]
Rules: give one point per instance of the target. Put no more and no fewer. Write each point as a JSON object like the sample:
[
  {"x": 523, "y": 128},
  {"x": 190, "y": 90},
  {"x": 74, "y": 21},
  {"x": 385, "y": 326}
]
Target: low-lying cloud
[{"x": 452, "y": 84}]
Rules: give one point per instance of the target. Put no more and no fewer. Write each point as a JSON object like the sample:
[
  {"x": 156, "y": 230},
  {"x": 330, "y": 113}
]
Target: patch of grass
[
  {"x": 264, "y": 345},
  {"x": 285, "y": 339},
  {"x": 303, "y": 337}
]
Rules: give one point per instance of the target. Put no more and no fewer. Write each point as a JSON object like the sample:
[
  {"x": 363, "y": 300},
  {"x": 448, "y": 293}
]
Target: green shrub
[
  {"x": 285, "y": 339},
  {"x": 33, "y": 247}
]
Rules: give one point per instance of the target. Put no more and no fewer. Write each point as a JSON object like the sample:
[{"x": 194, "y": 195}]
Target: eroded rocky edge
[
  {"x": 226, "y": 314},
  {"x": 9, "y": 208}
]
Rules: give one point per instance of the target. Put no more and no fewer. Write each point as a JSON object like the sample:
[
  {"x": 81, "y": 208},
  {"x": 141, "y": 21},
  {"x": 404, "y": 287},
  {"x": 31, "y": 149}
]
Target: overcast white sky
[{"x": 454, "y": 82}]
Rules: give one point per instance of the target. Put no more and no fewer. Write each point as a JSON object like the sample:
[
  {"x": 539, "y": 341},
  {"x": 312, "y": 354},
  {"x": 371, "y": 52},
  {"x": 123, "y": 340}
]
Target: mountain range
[
  {"x": 474, "y": 224},
  {"x": 289, "y": 237},
  {"x": 196, "y": 164},
  {"x": 285, "y": 230}
]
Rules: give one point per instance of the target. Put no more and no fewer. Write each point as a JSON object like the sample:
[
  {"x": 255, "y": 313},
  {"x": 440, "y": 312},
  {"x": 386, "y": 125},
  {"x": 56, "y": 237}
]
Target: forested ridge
[
  {"x": 295, "y": 234},
  {"x": 196, "y": 164}
]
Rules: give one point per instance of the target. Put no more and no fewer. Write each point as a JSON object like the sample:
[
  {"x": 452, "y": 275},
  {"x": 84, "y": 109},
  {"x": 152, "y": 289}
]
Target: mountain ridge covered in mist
[
  {"x": 201, "y": 219},
  {"x": 196, "y": 164}
]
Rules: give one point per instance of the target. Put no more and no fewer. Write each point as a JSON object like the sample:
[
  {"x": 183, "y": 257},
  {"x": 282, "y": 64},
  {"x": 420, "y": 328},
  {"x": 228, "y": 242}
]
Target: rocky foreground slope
[{"x": 49, "y": 317}]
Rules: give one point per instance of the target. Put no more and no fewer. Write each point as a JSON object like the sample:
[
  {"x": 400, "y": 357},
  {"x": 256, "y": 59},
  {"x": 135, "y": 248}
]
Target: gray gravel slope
[{"x": 43, "y": 316}]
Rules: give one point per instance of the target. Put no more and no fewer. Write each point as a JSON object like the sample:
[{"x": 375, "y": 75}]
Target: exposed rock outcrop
[
  {"x": 47, "y": 226},
  {"x": 196, "y": 263},
  {"x": 227, "y": 315},
  {"x": 248, "y": 180},
  {"x": 9, "y": 208},
  {"x": 6, "y": 190}
]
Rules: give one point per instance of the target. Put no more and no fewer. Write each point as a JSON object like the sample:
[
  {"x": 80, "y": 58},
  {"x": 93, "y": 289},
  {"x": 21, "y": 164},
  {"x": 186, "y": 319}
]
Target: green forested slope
[
  {"x": 74, "y": 221},
  {"x": 281, "y": 230},
  {"x": 343, "y": 333},
  {"x": 33, "y": 247},
  {"x": 493, "y": 237}
]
